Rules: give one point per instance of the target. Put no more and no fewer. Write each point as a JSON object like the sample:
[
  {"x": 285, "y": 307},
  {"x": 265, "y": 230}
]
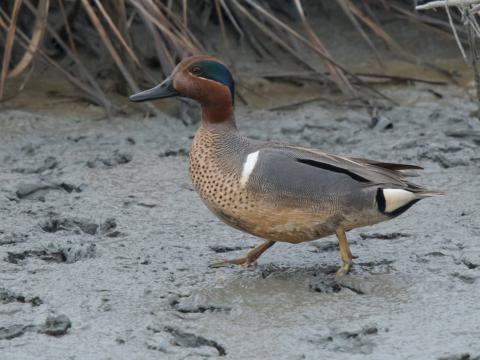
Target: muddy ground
[{"x": 104, "y": 246}]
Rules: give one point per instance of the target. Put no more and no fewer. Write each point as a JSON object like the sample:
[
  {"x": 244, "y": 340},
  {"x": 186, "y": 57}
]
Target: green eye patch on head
[{"x": 212, "y": 70}]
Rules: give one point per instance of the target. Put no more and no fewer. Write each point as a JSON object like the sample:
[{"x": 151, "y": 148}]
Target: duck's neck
[{"x": 218, "y": 115}]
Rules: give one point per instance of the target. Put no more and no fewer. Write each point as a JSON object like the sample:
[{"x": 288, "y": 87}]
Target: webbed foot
[{"x": 243, "y": 261}]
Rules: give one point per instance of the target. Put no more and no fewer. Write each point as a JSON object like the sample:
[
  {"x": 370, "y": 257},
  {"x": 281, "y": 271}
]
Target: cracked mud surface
[{"x": 105, "y": 247}]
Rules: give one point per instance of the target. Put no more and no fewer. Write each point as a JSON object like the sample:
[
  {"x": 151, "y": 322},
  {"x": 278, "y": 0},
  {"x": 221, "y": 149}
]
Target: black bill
[{"x": 161, "y": 91}]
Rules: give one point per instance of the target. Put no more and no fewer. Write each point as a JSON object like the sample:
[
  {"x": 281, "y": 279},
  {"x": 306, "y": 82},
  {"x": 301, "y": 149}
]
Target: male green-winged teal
[{"x": 278, "y": 192}]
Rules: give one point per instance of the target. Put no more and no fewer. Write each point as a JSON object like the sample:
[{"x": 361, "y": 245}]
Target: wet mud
[{"x": 104, "y": 246}]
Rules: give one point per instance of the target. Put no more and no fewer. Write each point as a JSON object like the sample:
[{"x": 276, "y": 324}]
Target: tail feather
[{"x": 428, "y": 193}]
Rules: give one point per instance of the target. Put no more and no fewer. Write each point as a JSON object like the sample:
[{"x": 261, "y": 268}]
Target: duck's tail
[
  {"x": 428, "y": 193},
  {"x": 393, "y": 202}
]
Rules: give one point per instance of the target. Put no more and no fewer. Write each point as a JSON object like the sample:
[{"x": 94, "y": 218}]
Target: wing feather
[{"x": 366, "y": 172}]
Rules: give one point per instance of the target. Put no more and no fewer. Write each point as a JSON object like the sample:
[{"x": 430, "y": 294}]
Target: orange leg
[
  {"x": 345, "y": 252},
  {"x": 248, "y": 260}
]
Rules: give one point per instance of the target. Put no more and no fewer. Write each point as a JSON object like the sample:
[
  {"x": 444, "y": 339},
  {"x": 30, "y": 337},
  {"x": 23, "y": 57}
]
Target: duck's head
[{"x": 202, "y": 78}]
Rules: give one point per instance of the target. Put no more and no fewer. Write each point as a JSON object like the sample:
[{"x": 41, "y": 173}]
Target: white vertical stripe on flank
[{"x": 248, "y": 167}]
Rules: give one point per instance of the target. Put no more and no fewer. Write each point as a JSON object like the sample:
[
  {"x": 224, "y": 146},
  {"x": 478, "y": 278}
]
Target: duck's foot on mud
[
  {"x": 246, "y": 261},
  {"x": 344, "y": 269},
  {"x": 243, "y": 261}
]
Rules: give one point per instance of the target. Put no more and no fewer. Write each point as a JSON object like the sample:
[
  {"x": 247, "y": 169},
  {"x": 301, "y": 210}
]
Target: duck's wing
[
  {"x": 388, "y": 165},
  {"x": 373, "y": 172},
  {"x": 298, "y": 170},
  {"x": 305, "y": 178}
]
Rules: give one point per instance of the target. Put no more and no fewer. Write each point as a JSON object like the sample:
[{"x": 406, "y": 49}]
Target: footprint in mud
[
  {"x": 194, "y": 305},
  {"x": 328, "y": 284},
  {"x": 134, "y": 202},
  {"x": 387, "y": 236},
  {"x": 471, "y": 264},
  {"x": 13, "y": 238},
  {"x": 49, "y": 163},
  {"x": 53, "y": 326},
  {"x": 170, "y": 337},
  {"x": 425, "y": 258},
  {"x": 318, "y": 279},
  {"x": 220, "y": 249},
  {"x": 80, "y": 225},
  {"x": 37, "y": 191},
  {"x": 7, "y": 296},
  {"x": 68, "y": 253},
  {"x": 46, "y": 255},
  {"x": 383, "y": 266},
  {"x": 324, "y": 285},
  {"x": 117, "y": 158},
  {"x": 171, "y": 152},
  {"x": 466, "y": 278},
  {"x": 184, "y": 339},
  {"x": 13, "y": 331},
  {"x": 447, "y": 156},
  {"x": 323, "y": 279},
  {"x": 274, "y": 271},
  {"x": 464, "y": 356},
  {"x": 355, "y": 342}
]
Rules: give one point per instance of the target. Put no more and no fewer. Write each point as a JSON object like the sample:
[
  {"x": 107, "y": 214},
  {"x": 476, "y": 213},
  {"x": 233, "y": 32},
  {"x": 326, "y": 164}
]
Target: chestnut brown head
[{"x": 202, "y": 78}]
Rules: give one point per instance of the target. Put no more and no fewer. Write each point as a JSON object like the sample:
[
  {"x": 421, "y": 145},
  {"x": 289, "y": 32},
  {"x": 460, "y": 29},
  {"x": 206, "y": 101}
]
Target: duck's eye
[{"x": 196, "y": 70}]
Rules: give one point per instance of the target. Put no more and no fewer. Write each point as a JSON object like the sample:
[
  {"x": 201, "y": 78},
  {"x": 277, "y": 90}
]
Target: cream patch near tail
[{"x": 396, "y": 198}]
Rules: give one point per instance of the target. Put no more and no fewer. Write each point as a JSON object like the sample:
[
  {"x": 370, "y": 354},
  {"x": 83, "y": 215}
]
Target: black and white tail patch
[{"x": 394, "y": 202}]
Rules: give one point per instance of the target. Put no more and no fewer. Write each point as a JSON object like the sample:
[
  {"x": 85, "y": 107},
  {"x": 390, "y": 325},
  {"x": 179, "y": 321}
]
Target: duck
[{"x": 279, "y": 192}]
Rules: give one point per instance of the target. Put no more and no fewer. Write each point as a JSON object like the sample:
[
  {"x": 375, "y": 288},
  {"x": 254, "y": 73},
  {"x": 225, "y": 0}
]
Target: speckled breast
[{"x": 217, "y": 181}]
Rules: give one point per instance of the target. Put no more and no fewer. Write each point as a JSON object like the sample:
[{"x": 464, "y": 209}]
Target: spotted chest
[{"x": 216, "y": 178}]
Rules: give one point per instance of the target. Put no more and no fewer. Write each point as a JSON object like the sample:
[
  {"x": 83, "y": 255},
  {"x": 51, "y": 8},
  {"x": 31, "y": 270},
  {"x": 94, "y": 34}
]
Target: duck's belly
[
  {"x": 286, "y": 220},
  {"x": 279, "y": 224},
  {"x": 279, "y": 220}
]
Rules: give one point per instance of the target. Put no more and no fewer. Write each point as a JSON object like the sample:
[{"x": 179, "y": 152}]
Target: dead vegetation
[
  {"x": 469, "y": 10},
  {"x": 144, "y": 37}
]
